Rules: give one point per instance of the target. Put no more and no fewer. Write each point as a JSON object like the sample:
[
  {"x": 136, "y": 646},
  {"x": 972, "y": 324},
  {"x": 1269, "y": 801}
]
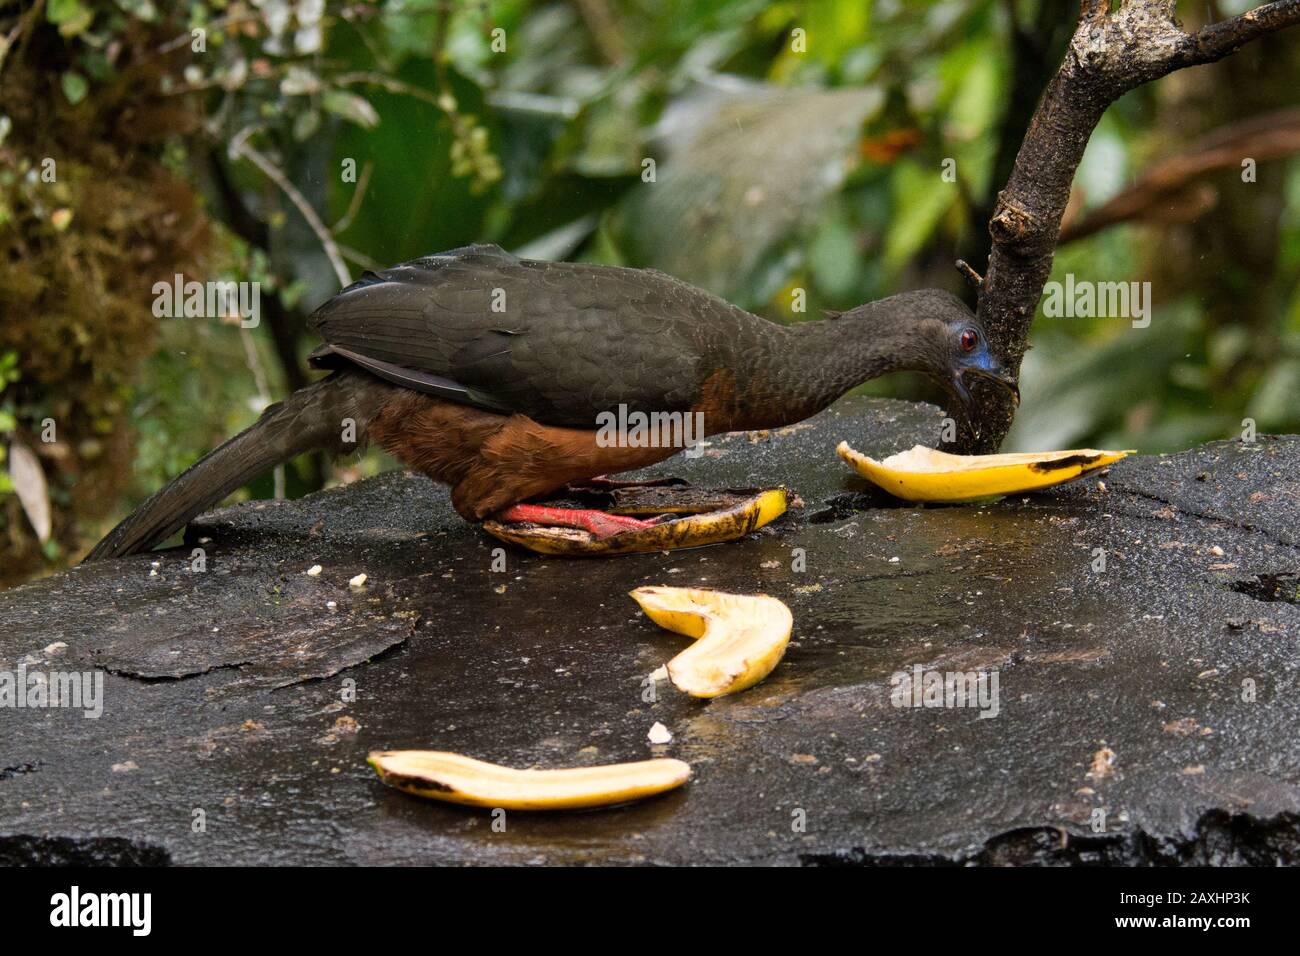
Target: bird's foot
[
  {"x": 705, "y": 517},
  {"x": 602, "y": 524}
]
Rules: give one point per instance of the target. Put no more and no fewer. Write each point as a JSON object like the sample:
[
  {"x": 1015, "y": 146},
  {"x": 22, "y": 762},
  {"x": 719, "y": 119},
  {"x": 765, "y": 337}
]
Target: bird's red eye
[{"x": 969, "y": 339}]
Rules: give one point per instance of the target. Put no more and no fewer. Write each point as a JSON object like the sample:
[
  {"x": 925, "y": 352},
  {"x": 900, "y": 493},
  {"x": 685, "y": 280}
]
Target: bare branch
[
  {"x": 254, "y": 362},
  {"x": 21, "y": 30},
  {"x": 972, "y": 277},
  {"x": 361, "y": 259},
  {"x": 365, "y": 77},
  {"x": 1221, "y": 39},
  {"x": 240, "y": 147},
  {"x": 605, "y": 30},
  {"x": 358, "y": 195},
  {"x": 1171, "y": 191},
  {"x": 1111, "y": 53}
]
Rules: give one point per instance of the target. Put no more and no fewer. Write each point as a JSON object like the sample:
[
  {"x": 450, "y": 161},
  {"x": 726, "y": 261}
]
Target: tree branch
[
  {"x": 1171, "y": 190},
  {"x": 241, "y": 148},
  {"x": 1035, "y": 48},
  {"x": 1222, "y": 39},
  {"x": 1111, "y": 53}
]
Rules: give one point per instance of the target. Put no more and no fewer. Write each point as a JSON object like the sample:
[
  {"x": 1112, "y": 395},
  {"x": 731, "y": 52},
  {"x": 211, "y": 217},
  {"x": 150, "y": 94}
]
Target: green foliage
[
  {"x": 8, "y": 421},
  {"x": 797, "y": 145}
]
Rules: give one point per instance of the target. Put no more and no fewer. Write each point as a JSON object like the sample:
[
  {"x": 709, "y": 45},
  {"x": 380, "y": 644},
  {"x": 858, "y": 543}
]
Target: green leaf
[
  {"x": 71, "y": 16},
  {"x": 62, "y": 11},
  {"x": 305, "y": 125},
  {"x": 834, "y": 257},
  {"x": 921, "y": 198},
  {"x": 353, "y": 108},
  {"x": 140, "y": 9},
  {"x": 74, "y": 87},
  {"x": 1273, "y": 404},
  {"x": 413, "y": 204},
  {"x": 299, "y": 81}
]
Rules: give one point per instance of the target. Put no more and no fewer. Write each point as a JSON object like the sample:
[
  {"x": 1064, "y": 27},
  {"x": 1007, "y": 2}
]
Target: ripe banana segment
[
  {"x": 927, "y": 475},
  {"x": 455, "y": 778},
  {"x": 740, "y": 637},
  {"x": 730, "y": 523}
]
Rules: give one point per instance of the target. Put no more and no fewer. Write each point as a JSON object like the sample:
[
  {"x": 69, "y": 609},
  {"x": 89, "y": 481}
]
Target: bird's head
[
  {"x": 952, "y": 348},
  {"x": 972, "y": 358}
]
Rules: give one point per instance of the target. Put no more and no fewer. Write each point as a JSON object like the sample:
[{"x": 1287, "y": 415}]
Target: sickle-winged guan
[{"x": 489, "y": 373}]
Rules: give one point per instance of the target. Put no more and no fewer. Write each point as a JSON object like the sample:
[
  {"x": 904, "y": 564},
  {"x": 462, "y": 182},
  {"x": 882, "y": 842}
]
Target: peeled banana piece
[
  {"x": 924, "y": 474},
  {"x": 729, "y": 523},
  {"x": 740, "y": 637},
  {"x": 455, "y": 778}
]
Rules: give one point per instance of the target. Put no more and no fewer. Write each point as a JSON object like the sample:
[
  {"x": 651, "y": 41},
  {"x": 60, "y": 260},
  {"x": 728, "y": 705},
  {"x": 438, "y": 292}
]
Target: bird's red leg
[{"x": 600, "y": 523}]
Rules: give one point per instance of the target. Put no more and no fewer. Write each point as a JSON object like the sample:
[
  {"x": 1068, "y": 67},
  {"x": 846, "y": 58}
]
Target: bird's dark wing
[{"x": 559, "y": 342}]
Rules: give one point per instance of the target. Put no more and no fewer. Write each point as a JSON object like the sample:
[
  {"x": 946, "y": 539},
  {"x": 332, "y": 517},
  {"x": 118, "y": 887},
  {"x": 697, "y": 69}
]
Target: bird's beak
[{"x": 995, "y": 374}]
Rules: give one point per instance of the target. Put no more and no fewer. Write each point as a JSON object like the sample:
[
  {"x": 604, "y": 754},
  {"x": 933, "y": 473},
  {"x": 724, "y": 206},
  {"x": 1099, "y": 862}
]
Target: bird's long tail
[{"x": 325, "y": 414}]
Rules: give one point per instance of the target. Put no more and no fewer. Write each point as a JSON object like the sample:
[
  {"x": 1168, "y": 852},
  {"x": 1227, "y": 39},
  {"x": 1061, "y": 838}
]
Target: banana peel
[
  {"x": 924, "y": 474},
  {"x": 455, "y": 778},
  {"x": 740, "y": 638},
  {"x": 741, "y": 513}
]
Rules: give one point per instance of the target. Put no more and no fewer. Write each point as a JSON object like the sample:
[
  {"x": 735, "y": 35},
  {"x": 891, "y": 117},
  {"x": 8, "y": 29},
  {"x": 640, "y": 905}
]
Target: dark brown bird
[{"x": 490, "y": 373}]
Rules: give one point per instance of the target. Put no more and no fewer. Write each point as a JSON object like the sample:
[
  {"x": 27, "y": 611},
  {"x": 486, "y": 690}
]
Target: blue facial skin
[{"x": 980, "y": 362}]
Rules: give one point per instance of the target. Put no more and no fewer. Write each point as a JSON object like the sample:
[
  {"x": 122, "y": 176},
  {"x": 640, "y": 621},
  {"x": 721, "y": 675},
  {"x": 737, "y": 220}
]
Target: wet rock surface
[{"x": 1146, "y": 712}]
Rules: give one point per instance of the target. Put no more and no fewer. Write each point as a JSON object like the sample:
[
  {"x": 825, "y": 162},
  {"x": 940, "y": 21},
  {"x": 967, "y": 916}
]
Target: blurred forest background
[{"x": 795, "y": 146}]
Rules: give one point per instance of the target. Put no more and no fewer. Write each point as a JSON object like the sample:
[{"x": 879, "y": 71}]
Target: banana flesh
[
  {"x": 713, "y": 527},
  {"x": 740, "y": 638},
  {"x": 455, "y": 778},
  {"x": 926, "y": 475}
]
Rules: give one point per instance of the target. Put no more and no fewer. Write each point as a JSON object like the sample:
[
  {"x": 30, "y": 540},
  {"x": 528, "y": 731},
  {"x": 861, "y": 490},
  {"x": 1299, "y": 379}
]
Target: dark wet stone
[{"x": 1146, "y": 712}]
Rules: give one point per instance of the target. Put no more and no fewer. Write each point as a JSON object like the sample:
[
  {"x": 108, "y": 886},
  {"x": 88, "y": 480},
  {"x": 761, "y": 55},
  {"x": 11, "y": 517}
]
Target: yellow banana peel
[
  {"x": 455, "y": 778},
  {"x": 926, "y": 475},
  {"x": 712, "y": 527},
  {"x": 740, "y": 638}
]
